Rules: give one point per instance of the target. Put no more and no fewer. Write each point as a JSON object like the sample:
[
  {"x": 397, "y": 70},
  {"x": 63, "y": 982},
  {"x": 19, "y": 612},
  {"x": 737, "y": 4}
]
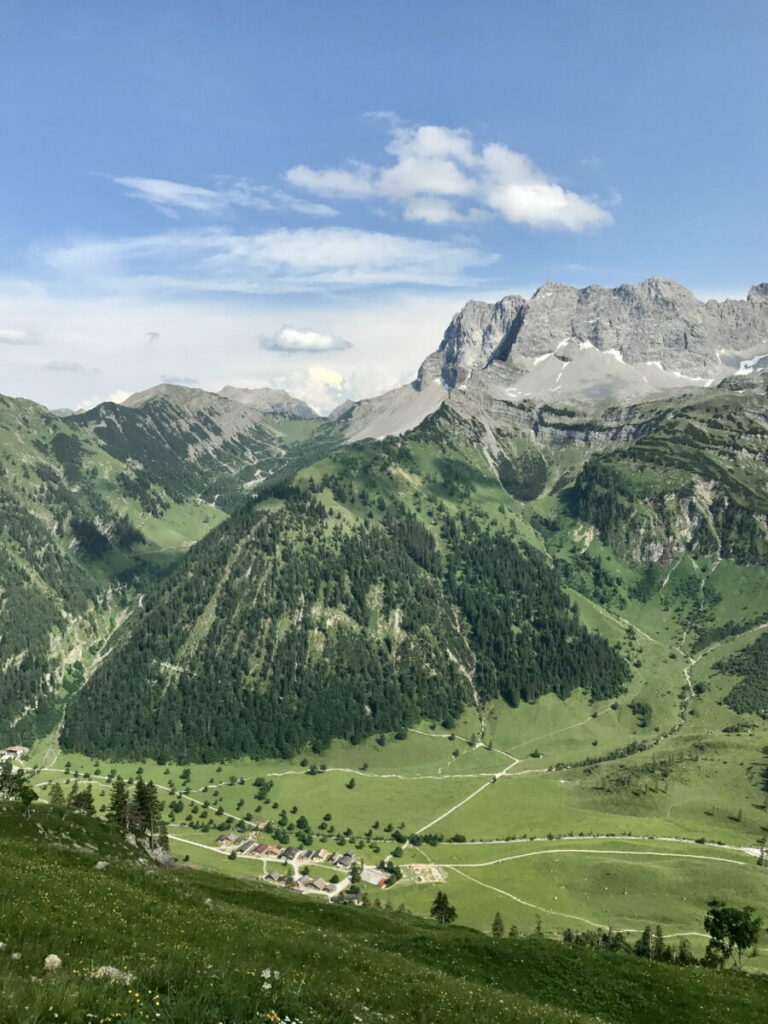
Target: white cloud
[
  {"x": 438, "y": 171},
  {"x": 12, "y": 336},
  {"x": 355, "y": 184},
  {"x": 171, "y": 196},
  {"x": 522, "y": 194},
  {"x": 296, "y": 339},
  {"x": 302, "y": 260},
  {"x": 323, "y": 387}
]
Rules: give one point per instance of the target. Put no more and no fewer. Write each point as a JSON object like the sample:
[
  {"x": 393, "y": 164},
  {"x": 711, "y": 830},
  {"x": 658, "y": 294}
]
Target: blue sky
[{"x": 301, "y": 194}]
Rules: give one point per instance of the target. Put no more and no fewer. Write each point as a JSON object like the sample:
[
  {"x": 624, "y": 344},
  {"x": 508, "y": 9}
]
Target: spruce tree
[
  {"x": 82, "y": 801},
  {"x": 441, "y": 909},
  {"x": 56, "y": 796},
  {"x": 644, "y": 945},
  {"x": 497, "y": 928},
  {"x": 118, "y": 802},
  {"x": 685, "y": 955}
]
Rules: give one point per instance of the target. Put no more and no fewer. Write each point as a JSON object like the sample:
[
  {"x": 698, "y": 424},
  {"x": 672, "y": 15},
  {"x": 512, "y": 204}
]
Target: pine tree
[
  {"x": 162, "y": 837},
  {"x": 56, "y": 796},
  {"x": 685, "y": 955},
  {"x": 118, "y": 802},
  {"x": 442, "y": 910},
  {"x": 147, "y": 806},
  {"x": 497, "y": 928},
  {"x": 82, "y": 801},
  {"x": 644, "y": 945}
]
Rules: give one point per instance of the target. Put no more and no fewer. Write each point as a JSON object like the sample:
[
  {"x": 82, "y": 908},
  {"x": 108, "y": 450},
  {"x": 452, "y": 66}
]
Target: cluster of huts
[
  {"x": 303, "y": 882},
  {"x": 289, "y": 854}
]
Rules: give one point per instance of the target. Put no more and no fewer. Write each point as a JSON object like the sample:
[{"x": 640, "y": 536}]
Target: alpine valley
[{"x": 502, "y": 631}]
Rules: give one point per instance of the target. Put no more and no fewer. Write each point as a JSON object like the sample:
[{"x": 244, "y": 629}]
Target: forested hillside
[
  {"x": 91, "y": 507},
  {"x": 382, "y": 583},
  {"x": 309, "y": 616},
  {"x": 63, "y": 536},
  {"x": 192, "y": 442}
]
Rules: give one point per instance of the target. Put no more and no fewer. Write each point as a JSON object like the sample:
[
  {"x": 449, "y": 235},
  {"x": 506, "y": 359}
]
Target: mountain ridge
[{"x": 580, "y": 346}]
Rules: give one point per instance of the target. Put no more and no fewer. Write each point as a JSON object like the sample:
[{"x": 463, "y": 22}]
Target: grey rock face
[
  {"x": 657, "y": 321},
  {"x": 475, "y": 334}
]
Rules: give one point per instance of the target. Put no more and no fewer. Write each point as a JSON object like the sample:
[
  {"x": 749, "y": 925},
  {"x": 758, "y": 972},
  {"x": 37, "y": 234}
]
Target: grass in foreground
[{"x": 207, "y": 948}]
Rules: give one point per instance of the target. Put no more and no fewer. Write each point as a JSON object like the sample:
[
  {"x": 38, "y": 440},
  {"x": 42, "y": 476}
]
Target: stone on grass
[
  {"x": 52, "y": 962},
  {"x": 114, "y": 974},
  {"x": 101, "y": 865}
]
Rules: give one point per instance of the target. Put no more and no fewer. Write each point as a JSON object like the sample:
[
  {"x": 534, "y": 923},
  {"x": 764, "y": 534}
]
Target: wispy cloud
[
  {"x": 63, "y": 366},
  {"x": 171, "y": 196},
  {"x": 440, "y": 176},
  {"x": 302, "y": 339},
  {"x": 186, "y": 382},
  {"x": 281, "y": 261}
]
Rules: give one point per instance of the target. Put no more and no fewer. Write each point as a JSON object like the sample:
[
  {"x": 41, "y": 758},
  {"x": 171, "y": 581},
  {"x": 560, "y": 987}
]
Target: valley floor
[
  {"x": 568, "y": 813},
  {"x": 613, "y": 840}
]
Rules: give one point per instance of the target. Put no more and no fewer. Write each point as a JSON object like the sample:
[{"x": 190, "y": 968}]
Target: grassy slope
[{"x": 199, "y": 945}]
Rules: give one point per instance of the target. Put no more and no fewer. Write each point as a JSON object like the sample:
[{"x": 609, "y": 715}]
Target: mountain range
[{"x": 252, "y": 578}]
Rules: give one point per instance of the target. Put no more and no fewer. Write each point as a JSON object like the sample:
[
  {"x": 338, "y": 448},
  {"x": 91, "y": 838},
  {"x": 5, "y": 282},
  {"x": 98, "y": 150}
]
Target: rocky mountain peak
[
  {"x": 655, "y": 335},
  {"x": 473, "y": 336}
]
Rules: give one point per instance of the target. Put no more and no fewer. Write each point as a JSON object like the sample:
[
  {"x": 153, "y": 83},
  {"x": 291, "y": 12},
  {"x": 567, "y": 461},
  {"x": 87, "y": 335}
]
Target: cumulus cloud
[
  {"x": 12, "y": 336},
  {"x": 118, "y": 397},
  {"x": 284, "y": 260},
  {"x": 301, "y": 339},
  {"x": 324, "y": 388},
  {"x": 171, "y": 196},
  {"x": 439, "y": 175}
]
